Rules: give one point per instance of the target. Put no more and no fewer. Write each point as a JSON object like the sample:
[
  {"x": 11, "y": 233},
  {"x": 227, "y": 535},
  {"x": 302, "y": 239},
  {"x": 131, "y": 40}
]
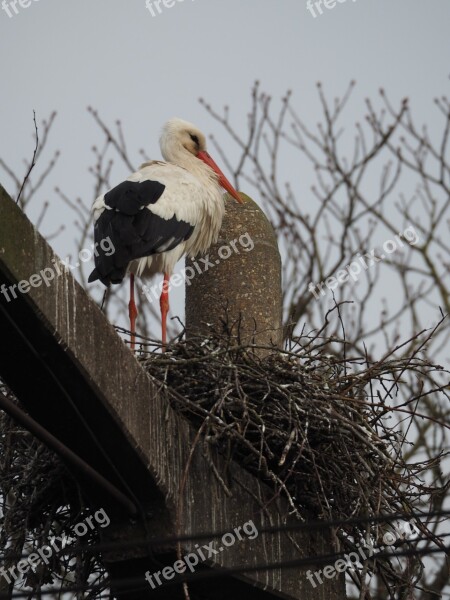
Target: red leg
[
  {"x": 164, "y": 304},
  {"x": 132, "y": 311}
]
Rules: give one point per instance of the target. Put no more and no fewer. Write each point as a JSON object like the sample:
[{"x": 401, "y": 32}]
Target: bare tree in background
[
  {"x": 356, "y": 204},
  {"x": 372, "y": 183}
]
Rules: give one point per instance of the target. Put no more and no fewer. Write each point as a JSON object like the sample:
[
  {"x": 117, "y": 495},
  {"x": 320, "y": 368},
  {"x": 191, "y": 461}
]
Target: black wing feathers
[
  {"x": 133, "y": 230},
  {"x": 129, "y": 197}
]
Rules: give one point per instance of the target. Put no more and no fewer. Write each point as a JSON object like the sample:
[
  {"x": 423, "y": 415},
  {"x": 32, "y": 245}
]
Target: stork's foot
[
  {"x": 164, "y": 306},
  {"x": 132, "y": 313}
]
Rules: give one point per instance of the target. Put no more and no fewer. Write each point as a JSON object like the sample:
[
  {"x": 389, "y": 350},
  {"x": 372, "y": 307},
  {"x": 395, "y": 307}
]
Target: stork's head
[{"x": 181, "y": 139}]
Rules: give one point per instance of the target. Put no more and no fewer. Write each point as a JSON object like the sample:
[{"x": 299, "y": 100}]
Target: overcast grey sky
[
  {"x": 117, "y": 57},
  {"x": 143, "y": 69}
]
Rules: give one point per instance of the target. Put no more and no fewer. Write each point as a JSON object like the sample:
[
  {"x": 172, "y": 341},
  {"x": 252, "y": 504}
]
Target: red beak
[{"x": 205, "y": 157}]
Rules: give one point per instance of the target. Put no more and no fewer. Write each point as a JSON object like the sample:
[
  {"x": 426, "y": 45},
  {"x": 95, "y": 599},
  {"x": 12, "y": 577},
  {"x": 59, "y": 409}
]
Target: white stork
[{"x": 162, "y": 211}]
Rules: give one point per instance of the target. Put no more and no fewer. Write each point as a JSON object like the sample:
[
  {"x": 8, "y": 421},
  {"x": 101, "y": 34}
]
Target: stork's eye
[{"x": 194, "y": 138}]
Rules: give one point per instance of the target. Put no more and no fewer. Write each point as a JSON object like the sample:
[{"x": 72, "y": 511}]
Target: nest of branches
[
  {"x": 317, "y": 427},
  {"x": 304, "y": 424},
  {"x": 301, "y": 427}
]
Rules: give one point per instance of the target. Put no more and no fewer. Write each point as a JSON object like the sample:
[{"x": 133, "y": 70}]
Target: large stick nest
[
  {"x": 304, "y": 428},
  {"x": 316, "y": 426}
]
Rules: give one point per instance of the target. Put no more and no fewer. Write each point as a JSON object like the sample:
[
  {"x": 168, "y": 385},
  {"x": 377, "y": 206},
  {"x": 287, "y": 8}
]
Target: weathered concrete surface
[
  {"x": 66, "y": 364},
  {"x": 245, "y": 279}
]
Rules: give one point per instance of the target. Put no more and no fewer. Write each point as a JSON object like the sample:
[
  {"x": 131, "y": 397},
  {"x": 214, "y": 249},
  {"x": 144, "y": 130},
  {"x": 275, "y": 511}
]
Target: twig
[{"x": 33, "y": 160}]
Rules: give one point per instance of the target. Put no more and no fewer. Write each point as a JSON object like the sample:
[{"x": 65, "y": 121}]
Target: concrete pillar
[{"x": 243, "y": 288}]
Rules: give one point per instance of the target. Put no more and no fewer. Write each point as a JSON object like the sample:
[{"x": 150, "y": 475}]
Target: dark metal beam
[{"x": 64, "y": 452}]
